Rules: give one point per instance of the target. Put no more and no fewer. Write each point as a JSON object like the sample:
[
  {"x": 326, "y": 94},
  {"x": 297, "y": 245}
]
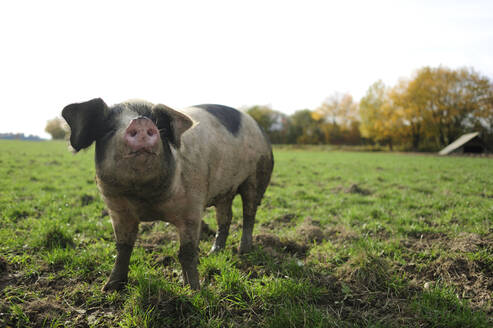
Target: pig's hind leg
[
  {"x": 252, "y": 191},
  {"x": 224, "y": 215}
]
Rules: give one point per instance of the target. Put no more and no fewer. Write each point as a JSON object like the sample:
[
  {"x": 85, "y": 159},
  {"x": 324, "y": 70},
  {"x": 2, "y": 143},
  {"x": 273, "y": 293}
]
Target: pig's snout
[{"x": 142, "y": 135}]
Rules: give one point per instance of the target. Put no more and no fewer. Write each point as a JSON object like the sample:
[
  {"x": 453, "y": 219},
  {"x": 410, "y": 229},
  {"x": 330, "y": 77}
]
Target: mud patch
[
  {"x": 472, "y": 279},
  {"x": 57, "y": 237},
  {"x": 310, "y": 231},
  {"x": 470, "y": 276},
  {"x": 44, "y": 311},
  {"x": 341, "y": 233},
  {"x": 164, "y": 260},
  {"x": 19, "y": 214},
  {"x": 156, "y": 239},
  {"x": 420, "y": 241},
  {"x": 465, "y": 242},
  {"x": 286, "y": 220},
  {"x": 274, "y": 246},
  {"x": 470, "y": 242},
  {"x": 86, "y": 200},
  {"x": 367, "y": 272},
  {"x": 3, "y": 266},
  {"x": 355, "y": 189}
]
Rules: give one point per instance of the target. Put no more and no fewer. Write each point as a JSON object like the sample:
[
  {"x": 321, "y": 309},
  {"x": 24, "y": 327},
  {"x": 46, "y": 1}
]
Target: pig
[{"x": 157, "y": 163}]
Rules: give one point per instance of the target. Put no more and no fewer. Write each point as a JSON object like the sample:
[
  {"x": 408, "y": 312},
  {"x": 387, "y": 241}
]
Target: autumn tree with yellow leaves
[
  {"x": 381, "y": 119},
  {"x": 430, "y": 110}
]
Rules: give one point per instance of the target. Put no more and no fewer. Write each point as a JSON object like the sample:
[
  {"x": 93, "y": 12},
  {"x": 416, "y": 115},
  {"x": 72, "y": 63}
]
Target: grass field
[{"x": 343, "y": 239}]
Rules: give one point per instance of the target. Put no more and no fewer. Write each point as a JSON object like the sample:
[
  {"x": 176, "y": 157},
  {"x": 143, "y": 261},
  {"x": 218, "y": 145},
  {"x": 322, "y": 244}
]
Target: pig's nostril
[
  {"x": 132, "y": 133},
  {"x": 151, "y": 132}
]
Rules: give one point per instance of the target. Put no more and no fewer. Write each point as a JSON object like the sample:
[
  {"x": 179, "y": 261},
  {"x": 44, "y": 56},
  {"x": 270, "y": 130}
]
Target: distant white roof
[{"x": 458, "y": 143}]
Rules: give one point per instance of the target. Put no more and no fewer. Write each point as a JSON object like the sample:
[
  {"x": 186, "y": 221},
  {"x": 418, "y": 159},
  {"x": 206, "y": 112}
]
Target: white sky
[{"x": 287, "y": 54}]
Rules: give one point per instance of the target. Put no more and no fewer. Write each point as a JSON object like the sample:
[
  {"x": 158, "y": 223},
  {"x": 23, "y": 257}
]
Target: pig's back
[{"x": 221, "y": 150}]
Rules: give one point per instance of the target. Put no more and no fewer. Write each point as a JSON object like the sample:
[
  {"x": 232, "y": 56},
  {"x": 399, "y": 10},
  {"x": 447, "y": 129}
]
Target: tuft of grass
[
  {"x": 294, "y": 315},
  {"x": 440, "y": 306},
  {"x": 55, "y": 236}
]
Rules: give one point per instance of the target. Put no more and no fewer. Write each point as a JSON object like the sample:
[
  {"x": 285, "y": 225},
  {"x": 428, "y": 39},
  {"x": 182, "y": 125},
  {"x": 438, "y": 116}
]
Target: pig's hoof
[{"x": 114, "y": 285}]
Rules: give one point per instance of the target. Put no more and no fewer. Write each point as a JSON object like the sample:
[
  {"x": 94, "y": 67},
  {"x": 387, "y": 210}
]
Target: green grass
[{"x": 343, "y": 239}]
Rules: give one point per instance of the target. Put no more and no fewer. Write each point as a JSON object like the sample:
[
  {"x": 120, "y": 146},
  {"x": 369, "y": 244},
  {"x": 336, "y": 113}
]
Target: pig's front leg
[
  {"x": 125, "y": 227},
  {"x": 189, "y": 230}
]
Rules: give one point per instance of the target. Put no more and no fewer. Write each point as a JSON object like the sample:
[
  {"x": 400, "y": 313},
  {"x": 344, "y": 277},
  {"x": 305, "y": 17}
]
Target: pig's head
[{"x": 134, "y": 141}]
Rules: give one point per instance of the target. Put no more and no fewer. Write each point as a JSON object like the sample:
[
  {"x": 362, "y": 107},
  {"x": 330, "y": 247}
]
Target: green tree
[
  {"x": 264, "y": 116},
  {"x": 305, "y": 128},
  {"x": 275, "y": 124}
]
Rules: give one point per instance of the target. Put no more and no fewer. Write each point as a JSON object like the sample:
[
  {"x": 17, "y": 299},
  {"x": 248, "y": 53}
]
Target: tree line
[
  {"x": 19, "y": 136},
  {"x": 425, "y": 112}
]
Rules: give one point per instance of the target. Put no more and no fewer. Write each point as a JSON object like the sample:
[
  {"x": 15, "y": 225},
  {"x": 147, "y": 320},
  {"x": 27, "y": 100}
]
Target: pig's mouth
[{"x": 140, "y": 152}]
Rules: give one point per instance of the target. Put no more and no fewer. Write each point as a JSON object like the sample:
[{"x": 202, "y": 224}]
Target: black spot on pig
[{"x": 229, "y": 117}]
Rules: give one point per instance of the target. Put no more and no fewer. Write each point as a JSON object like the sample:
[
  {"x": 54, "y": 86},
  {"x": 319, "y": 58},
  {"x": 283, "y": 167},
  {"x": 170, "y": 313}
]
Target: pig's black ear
[
  {"x": 86, "y": 121},
  {"x": 171, "y": 123}
]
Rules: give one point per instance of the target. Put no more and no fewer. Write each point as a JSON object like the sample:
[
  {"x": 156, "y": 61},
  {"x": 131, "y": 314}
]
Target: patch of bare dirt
[
  {"x": 3, "y": 266},
  {"x": 158, "y": 237},
  {"x": 366, "y": 272},
  {"x": 280, "y": 221},
  {"x": 275, "y": 183},
  {"x": 86, "y": 200},
  {"x": 472, "y": 278},
  {"x": 341, "y": 233},
  {"x": 470, "y": 242},
  {"x": 164, "y": 260},
  {"x": 355, "y": 189},
  {"x": 420, "y": 241},
  {"x": 275, "y": 247},
  {"x": 465, "y": 242},
  {"x": 4, "y": 276},
  {"x": 310, "y": 231},
  {"x": 44, "y": 311},
  {"x": 155, "y": 239}
]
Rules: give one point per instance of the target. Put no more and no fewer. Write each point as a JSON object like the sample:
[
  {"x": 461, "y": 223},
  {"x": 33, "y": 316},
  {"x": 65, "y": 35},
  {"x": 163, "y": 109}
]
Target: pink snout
[{"x": 142, "y": 134}]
